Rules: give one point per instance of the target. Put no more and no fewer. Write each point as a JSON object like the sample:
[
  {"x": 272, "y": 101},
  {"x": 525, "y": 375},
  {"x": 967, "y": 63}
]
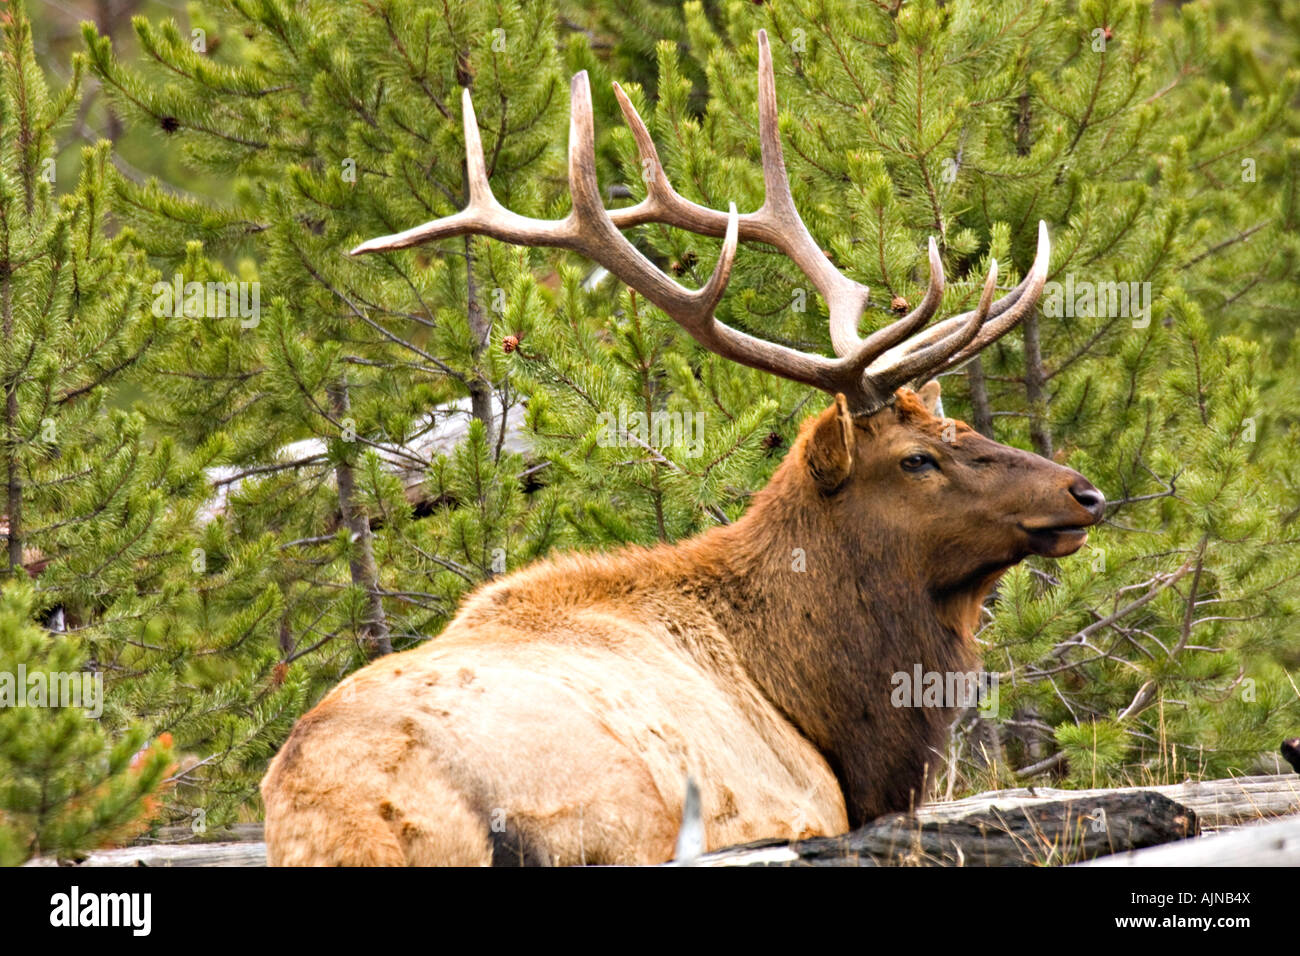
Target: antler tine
[
  {"x": 597, "y": 237},
  {"x": 845, "y": 299},
  {"x": 916, "y": 363},
  {"x": 1003, "y": 316},
  {"x": 483, "y": 215},
  {"x": 1031, "y": 288},
  {"x": 476, "y": 177},
  {"x": 662, "y": 203},
  {"x": 776, "y": 223},
  {"x": 882, "y": 339}
]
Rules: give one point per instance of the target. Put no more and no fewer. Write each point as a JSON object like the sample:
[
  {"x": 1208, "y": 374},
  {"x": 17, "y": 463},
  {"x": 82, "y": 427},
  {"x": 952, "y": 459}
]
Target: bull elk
[{"x": 558, "y": 717}]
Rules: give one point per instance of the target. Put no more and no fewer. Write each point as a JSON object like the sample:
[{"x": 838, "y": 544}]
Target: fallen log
[
  {"x": 1042, "y": 833},
  {"x": 1273, "y": 843},
  {"x": 437, "y": 434},
  {"x": 182, "y": 834},
  {"x": 193, "y": 854},
  {"x": 1218, "y": 803}
]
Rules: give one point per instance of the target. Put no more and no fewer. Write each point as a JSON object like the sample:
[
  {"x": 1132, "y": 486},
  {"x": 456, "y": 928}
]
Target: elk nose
[{"x": 1083, "y": 492}]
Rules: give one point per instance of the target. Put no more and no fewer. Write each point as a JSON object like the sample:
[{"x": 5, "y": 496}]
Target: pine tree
[
  {"x": 66, "y": 782},
  {"x": 344, "y": 516},
  {"x": 100, "y": 508},
  {"x": 86, "y": 496}
]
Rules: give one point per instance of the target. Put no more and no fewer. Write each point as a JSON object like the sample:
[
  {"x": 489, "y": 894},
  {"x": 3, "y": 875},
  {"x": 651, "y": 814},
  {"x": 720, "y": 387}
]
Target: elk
[{"x": 558, "y": 717}]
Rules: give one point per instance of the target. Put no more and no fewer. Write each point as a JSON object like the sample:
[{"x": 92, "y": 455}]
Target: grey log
[
  {"x": 1039, "y": 833},
  {"x": 193, "y": 854},
  {"x": 1275, "y": 843},
  {"x": 1218, "y": 803}
]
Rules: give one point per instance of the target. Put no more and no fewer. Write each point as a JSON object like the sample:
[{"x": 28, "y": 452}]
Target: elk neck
[{"x": 822, "y": 617}]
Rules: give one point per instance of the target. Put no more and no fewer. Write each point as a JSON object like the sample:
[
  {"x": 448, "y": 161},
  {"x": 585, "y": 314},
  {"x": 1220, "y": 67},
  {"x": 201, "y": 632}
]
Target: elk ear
[
  {"x": 829, "y": 452},
  {"x": 929, "y": 396}
]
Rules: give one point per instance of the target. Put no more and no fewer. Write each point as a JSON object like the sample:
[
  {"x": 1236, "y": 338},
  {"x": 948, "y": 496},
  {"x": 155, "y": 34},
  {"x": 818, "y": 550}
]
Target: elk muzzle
[{"x": 1058, "y": 538}]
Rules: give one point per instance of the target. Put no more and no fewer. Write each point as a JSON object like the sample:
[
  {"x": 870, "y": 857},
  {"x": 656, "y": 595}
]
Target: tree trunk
[
  {"x": 480, "y": 327},
  {"x": 1024, "y": 119},
  {"x": 14, "y": 487},
  {"x": 207, "y": 854},
  {"x": 1218, "y": 803},
  {"x": 981, "y": 412},
  {"x": 1040, "y": 431},
  {"x": 361, "y": 563},
  {"x": 109, "y": 16}
]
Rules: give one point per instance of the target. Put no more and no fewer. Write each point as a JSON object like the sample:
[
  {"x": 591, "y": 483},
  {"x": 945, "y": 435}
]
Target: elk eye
[{"x": 915, "y": 463}]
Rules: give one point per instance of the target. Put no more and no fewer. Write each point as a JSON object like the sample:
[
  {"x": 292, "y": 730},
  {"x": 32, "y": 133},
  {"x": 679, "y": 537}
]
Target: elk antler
[{"x": 867, "y": 370}]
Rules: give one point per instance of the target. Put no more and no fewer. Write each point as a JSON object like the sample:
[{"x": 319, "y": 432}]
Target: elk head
[
  {"x": 951, "y": 508},
  {"x": 878, "y": 443}
]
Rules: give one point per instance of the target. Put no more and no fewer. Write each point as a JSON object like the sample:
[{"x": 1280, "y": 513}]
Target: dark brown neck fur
[{"x": 823, "y": 643}]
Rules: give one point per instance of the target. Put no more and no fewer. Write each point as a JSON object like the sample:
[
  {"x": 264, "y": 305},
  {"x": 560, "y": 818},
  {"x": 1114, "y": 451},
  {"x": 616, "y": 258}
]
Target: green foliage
[
  {"x": 86, "y": 492},
  {"x": 66, "y": 782},
  {"x": 100, "y": 504}
]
